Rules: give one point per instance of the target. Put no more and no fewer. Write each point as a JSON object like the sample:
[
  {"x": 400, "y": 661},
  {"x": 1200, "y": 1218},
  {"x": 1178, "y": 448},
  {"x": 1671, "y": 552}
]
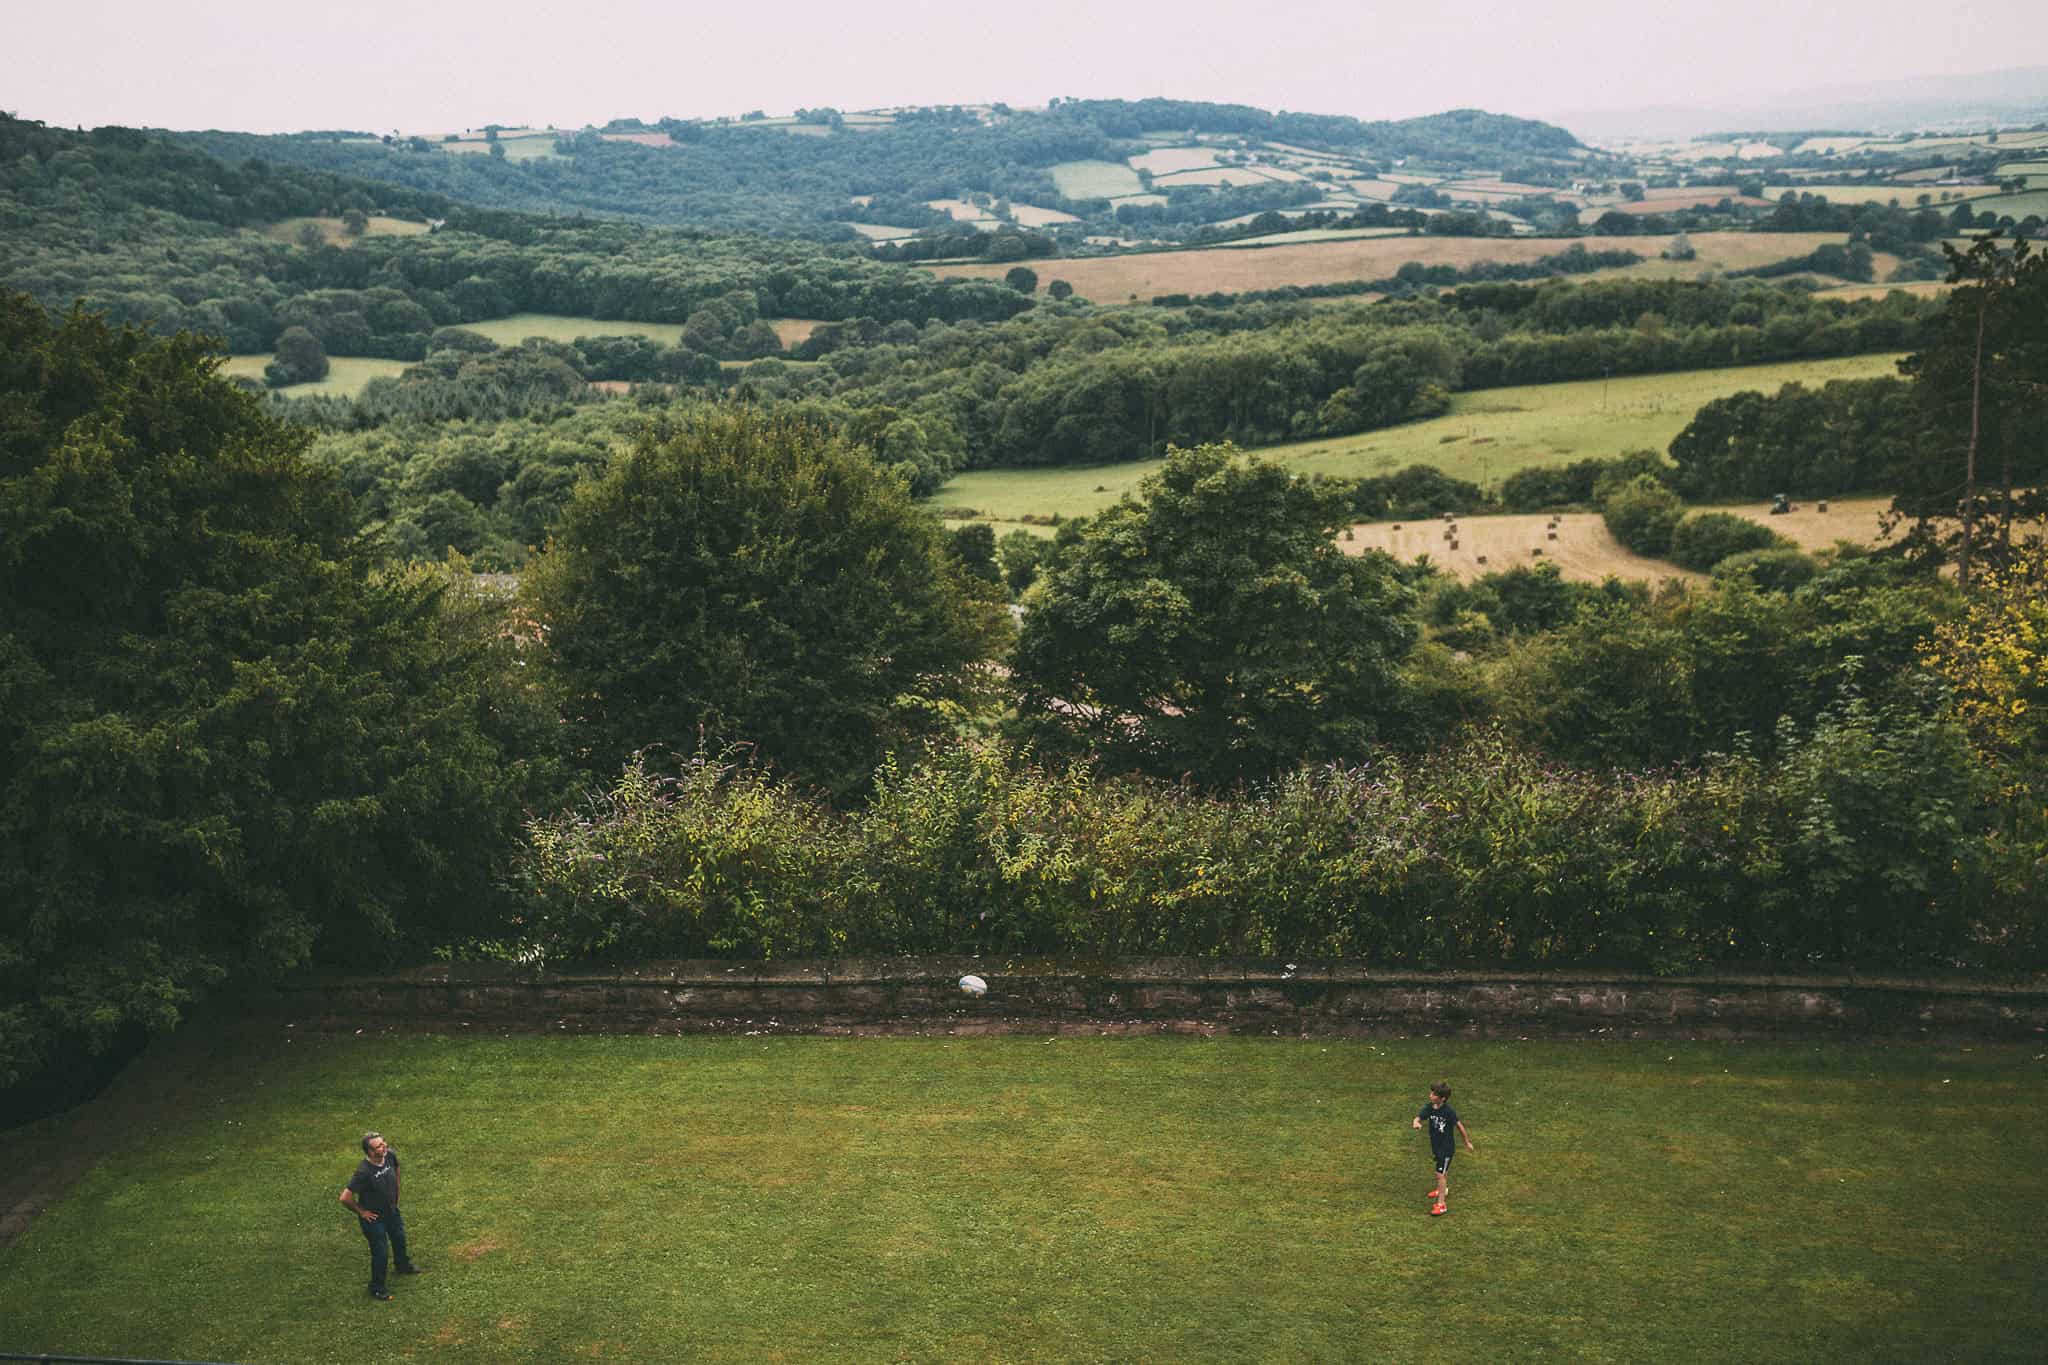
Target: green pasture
[
  {"x": 1031, "y": 1198},
  {"x": 1095, "y": 179},
  {"x": 346, "y": 374},
  {"x": 510, "y": 331},
  {"x": 1488, "y": 435},
  {"x": 531, "y": 148},
  {"x": 2028, "y": 202}
]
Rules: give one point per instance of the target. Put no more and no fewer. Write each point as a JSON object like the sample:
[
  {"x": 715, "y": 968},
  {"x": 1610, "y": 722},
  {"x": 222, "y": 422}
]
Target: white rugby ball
[{"x": 973, "y": 985}]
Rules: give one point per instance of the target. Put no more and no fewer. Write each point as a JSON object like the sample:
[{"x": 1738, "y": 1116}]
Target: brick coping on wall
[{"x": 1136, "y": 995}]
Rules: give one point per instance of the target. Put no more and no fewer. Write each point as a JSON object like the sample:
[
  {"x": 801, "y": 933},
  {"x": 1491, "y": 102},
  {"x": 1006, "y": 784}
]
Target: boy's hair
[{"x": 1442, "y": 1090}]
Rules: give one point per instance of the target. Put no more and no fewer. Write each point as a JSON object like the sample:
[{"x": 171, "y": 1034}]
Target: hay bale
[
  {"x": 1553, "y": 535},
  {"x": 1536, "y": 552}
]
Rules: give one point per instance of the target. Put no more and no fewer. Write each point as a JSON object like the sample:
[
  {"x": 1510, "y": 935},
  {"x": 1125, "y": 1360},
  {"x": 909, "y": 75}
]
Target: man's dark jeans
[{"x": 386, "y": 1235}]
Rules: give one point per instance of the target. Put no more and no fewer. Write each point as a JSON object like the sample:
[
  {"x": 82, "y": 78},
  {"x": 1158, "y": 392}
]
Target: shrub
[
  {"x": 1642, "y": 514},
  {"x": 1706, "y": 538},
  {"x": 1779, "y": 569}
]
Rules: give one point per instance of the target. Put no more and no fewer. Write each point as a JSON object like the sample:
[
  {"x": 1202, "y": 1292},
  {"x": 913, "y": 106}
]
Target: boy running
[{"x": 1443, "y": 1123}]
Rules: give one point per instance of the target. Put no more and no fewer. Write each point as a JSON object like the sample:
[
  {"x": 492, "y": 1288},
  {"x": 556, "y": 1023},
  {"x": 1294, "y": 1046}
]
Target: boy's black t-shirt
[
  {"x": 376, "y": 1187},
  {"x": 1443, "y": 1128}
]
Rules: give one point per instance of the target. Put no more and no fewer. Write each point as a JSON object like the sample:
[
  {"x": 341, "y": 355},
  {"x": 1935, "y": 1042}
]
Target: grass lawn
[
  {"x": 346, "y": 374},
  {"x": 991, "y": 1198},
  {"x": 1487, "y": 435}
]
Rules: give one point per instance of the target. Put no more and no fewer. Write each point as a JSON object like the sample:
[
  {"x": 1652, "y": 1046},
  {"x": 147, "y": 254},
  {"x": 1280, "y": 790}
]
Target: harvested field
[
  {"x": 643, "y": 139},
  {"x": 510, "y": 331},
  {"x": 1585, "y": 551},
  {"x": 1030, "y": 215},
  {"x": 961, "y": 211},
  {"x": 1382, "y": 190},
  {"x": 795, "y": 331},
  {"x": 336, "y": 235},
  {"x": 1705, "y": 198},
  {"x": 1229, "y": 175},
  {"x": 1166, "y": 160},
  {"x": 875, "y": 232},
  {"x": 1116, "y": 279},
  {"x": 1095, "y": 179},
  {"x": 1922, "y": 288}
]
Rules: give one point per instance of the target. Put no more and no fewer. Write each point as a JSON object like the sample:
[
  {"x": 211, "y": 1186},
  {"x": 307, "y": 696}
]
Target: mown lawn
[
  {"x": 1487, "y": 435},
  {"x": 778, "y": 1198}
]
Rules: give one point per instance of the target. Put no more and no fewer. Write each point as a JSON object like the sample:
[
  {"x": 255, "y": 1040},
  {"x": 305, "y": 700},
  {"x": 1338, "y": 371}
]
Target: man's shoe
[
  {"x": 380, "y": 1294},
  {"x": 410, "y": 1270},
  {"x": 1439, "y": 1211}
]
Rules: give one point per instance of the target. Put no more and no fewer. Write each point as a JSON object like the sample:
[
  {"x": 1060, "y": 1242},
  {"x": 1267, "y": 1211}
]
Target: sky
[{"x": 443, "y": 65}]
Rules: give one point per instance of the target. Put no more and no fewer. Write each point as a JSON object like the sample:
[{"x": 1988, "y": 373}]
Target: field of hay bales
[
  {"x": 1579, "y": 543},
  {"x": 1117, "y": 279}
]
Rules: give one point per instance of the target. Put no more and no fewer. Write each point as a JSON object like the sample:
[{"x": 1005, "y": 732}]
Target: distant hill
[
  {"x": 824, "y": 173},
  {"x": 2015, "y": 97}
]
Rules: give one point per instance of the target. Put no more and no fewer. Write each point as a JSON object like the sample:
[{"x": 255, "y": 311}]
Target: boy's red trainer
[{"x": 1439, "y": 1210}]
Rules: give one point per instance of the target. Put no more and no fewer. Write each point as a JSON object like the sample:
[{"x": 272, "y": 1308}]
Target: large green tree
[
  {"x": 746, "y": 580},
  {"x": 1213, "y": 627},
  {"x": 227, "y": 744}
]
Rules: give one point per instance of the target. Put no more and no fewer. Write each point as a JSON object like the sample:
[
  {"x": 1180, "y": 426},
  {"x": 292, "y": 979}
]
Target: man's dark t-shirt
[
  {"x": 376, "y": 1187},
  {"x": 1443, "y": 1128}
]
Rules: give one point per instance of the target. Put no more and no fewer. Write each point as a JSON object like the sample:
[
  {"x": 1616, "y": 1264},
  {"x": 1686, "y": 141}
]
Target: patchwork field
[
  {"x": 1095, "y": 179},
  {"x": 1030, "y": 215},
  {"x": 346, "y": 374},
  {"x": 331, "y": 229},
  {"x": 1228, "y": 175},
  {"x": 1025, "y": 1199},
  {"x": 1118, "y": 279},
  {"x": 1486, "y": 436},
  {"x": 1165, "y": 160},
  {"x": 1581, "y": 547},
  {"x": 530, "y": 148},
  {"x": 510, "y": 331},
  {"x": 1905, "y": 196},
  {"x": 2030, "y": 203}
]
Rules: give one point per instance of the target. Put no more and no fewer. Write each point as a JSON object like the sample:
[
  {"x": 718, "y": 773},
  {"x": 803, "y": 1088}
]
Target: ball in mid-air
[{"x": 974, "y": 986}]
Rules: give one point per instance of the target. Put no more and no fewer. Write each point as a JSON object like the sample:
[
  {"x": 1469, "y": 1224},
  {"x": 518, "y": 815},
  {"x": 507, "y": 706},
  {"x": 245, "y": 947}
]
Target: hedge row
[{"x": 1860, "y": 843}]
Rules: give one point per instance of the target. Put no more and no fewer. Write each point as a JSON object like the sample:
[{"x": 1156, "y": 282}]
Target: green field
[
  {"x": 510, "y": 331},
  {"x": 1095, "y": 179},
  {"x": 346, "y": 374},
  {"x": 1488, "y": 435},
  {"x": 2027, "y": 203},
  {"x": 535, "y": 147},
  {"x": 1031, "y": 1198}
]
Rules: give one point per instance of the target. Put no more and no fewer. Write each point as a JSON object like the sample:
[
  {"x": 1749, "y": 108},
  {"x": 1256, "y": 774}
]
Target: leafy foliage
[
  {"x": 226, "y": 747},
  {"x": 744, "y": 579},
  {"x": 1214, "y": 628}
]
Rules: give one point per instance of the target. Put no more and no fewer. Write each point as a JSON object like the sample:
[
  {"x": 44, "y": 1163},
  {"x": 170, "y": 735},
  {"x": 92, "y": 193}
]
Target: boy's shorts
[{"x": 1443, "y": 1162}]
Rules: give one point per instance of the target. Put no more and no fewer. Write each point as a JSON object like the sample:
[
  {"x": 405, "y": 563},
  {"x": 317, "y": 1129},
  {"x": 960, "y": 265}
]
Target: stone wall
[{"x": 1158, "y": 995}]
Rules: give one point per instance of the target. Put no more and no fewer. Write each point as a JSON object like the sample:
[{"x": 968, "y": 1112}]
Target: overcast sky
[{"x": 438, "y": 65}]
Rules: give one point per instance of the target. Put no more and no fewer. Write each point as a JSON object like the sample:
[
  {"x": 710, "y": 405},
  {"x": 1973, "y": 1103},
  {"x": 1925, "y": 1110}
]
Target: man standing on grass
[
  {"x": 372, "y": 1196},
  {"x": 1445, "y": 1128}
]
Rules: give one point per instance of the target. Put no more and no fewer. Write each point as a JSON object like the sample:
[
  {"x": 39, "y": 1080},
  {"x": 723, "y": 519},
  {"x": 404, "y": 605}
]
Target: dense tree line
[
  {"x": 737, "y": 176},
  {"x": 99, "y": 217}
]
